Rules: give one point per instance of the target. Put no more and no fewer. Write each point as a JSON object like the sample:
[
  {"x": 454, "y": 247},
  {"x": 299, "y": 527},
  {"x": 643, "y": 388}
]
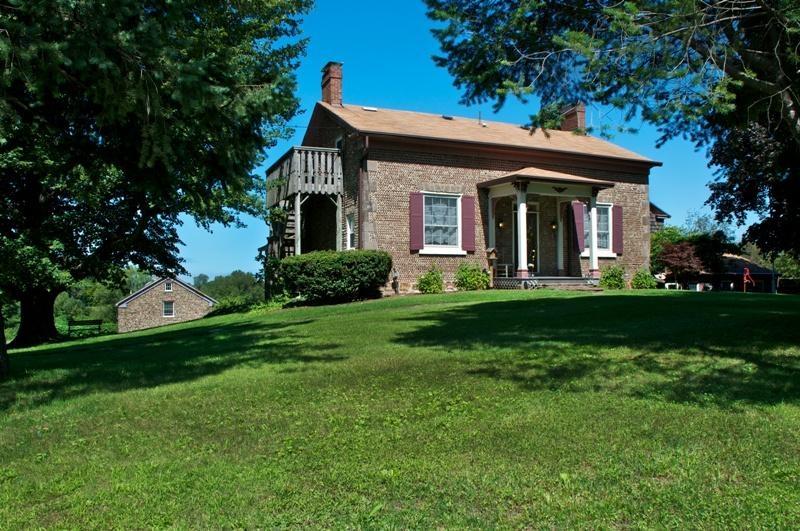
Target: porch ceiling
[{"x": 534, "y": 174}]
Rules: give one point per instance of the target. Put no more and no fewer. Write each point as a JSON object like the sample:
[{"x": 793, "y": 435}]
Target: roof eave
[
  {"x": 648, "y": 163},
  {"x": 645, "y": 163}
]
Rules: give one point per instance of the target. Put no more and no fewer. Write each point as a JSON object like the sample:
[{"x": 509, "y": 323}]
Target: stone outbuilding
[{"x": 162, "y": 302}]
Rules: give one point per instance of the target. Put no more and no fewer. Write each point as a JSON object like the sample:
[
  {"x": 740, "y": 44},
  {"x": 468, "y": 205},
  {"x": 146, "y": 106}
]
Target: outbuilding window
[{"x": 169, "y": 309}]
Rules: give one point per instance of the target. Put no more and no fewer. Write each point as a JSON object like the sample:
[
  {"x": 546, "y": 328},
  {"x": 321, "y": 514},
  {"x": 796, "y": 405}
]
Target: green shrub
[
  {"x": 612, "y": 277},
  {"x": 235, "y": 304},
  {"x": 643, "y": 280},
  {"x": 431, "y": 281},
  {"x": 471, "y": 276},
  {"x": 329, "y": 276}
]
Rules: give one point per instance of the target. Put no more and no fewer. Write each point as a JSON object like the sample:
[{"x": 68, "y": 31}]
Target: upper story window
[
  {"x": 168, "y": 309},
  {"x": 603, "y": 227},
  {"x": 441, "y": 220},
  {"x": 339, "y": 142},
  {"x": 167, "y": 286},
  {"x": 351, "y": 231}
]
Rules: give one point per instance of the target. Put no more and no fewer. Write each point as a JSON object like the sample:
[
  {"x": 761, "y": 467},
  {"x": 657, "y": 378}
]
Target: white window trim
[
  {"x": 350, "y": 222},
  {"x": 604, "y": 253},
  {"x": 163, "y": 310},
  {"x": 444, "y": 250},
  {"x": 166, "y": 285},
  {"x": 339, "y": 142}
]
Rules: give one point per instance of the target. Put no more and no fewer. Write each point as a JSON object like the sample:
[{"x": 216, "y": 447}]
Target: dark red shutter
[
  {"x": 577, "y": 215},
  {"x": 616, "y": 234},
  {"x": 416, "y": 221},
  {"x": 468, "y": 223}
]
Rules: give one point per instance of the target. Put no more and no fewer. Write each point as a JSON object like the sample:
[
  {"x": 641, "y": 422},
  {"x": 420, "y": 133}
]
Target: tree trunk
[
  {"x": 37, "y": 321},
  {"x": 5, "y": 368}
]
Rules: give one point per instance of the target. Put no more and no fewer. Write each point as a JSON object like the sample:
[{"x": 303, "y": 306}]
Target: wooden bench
[{"x": 84, "y": 323}]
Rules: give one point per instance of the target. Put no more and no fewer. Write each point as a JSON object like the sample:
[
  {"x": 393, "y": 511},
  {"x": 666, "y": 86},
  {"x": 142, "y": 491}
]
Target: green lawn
[{"x": 511, "y": 409}]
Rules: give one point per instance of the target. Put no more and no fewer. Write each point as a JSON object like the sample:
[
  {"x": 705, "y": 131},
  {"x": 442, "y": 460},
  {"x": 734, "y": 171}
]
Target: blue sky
[{"x": 386, "y": 48}]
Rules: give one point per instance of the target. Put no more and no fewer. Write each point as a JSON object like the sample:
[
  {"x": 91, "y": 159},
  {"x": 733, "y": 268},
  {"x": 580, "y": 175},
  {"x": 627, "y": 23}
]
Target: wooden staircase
[{"x": 303, "y": 171}]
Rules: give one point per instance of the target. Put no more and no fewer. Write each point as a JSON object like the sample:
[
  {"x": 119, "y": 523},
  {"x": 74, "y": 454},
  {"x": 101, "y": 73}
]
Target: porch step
[{"x": 561, "y": 283}]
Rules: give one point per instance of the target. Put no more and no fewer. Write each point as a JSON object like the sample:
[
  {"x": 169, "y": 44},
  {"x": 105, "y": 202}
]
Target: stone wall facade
[
  {"x": 393, "y": 175},
  {"x": 146, "y": 310}
]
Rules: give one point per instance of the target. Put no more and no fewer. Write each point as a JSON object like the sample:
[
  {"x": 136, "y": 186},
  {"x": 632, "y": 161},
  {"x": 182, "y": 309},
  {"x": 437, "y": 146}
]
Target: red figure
[{"x": 747, "y": 279}]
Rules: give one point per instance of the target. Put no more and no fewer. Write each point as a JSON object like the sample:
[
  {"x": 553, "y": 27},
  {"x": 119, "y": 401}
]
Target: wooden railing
[{"x": 304, "y": 170}]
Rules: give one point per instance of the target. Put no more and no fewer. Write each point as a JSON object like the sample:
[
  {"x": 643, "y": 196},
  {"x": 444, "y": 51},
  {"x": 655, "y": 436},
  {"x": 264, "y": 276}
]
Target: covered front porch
[{"x": 541, "y": 223}]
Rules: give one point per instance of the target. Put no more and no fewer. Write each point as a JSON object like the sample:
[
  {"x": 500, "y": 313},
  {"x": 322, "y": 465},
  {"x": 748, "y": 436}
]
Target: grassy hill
[{"x": 477, "y": 409}]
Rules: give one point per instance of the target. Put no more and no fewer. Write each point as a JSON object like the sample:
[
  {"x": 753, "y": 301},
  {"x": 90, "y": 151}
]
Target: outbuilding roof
[{"x": 371, "y": 120}]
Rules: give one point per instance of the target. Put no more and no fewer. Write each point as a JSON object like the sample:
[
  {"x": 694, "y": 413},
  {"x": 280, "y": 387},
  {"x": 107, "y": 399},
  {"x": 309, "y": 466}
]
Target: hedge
[{"x": 330, "y": 276}]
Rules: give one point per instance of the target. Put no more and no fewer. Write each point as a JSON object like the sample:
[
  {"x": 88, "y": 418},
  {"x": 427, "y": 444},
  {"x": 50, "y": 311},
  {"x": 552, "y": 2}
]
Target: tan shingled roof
[
  {"x": 542, "y": 174},
  {"x": 432, "y": 126}
]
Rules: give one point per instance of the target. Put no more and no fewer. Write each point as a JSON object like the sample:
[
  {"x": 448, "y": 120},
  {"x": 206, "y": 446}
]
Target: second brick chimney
[
  {"x": 574, "y": 117},
  {"x": 332, "y": 83}
]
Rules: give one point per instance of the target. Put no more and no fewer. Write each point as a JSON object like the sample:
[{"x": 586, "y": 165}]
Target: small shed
[
  {"x": 161, "y": 302},
  {"x": 731, "y": 278}
]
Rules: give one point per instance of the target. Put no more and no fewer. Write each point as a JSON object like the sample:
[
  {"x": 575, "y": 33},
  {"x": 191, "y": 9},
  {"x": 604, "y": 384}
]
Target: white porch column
[
  {"x": 559, "y": 238},
  {"x": 492, "y": 227},
  {"x": 522, "y": 229},
  {"x": 594, "y": 269}
]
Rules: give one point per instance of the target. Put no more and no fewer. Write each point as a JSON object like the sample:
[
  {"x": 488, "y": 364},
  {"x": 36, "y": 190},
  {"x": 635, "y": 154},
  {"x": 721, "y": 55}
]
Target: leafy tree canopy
[
  {"x": 787, "y": 266},
  {"x": 117, "y": 117},
  {"x": 723, "y": 74},
  {"x": 236, "y": 284},
  {"x": 708, "y": 241},
  {"x": 200, "y": 280},
  {"x": 681, "y": 260}
]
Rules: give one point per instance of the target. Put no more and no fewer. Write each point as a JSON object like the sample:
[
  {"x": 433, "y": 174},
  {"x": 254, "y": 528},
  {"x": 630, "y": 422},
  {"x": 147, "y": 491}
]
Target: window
[
  {"x": 168, "y": 309},
  {"x": 168, "y": 286},
  {"x": 351, "y": 231},
  {"x": 603, "y": 228},
  {"x": 339, "y": 142},
  {"x": 441, "y": 221}
]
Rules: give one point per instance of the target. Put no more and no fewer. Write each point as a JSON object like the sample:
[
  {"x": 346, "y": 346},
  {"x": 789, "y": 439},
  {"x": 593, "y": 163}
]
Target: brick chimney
[
  {"x": 574, "y": 117},
  {"x": 332, "y": 83}
]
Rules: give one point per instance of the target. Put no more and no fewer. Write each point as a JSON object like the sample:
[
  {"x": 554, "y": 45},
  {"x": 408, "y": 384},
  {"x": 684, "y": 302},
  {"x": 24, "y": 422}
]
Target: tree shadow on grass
[
  {"x": 700, "y": 348},
  {"x": 156, "y": 358}
]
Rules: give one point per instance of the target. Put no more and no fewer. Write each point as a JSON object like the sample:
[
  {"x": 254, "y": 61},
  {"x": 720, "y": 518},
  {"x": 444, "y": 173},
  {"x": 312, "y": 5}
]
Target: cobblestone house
[
  {"x": 162, "y": 302},
  {"x": 433, "y": 189}
]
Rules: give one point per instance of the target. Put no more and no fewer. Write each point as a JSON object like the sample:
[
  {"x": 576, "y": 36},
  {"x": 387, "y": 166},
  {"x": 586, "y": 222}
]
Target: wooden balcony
[{"x": 304, "y": 170}]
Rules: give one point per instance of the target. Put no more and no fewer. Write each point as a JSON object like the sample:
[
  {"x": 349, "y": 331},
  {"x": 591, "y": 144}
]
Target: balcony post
[
  {"x": 298, "y": 225},
  {"x": 338, "y": 222}
]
